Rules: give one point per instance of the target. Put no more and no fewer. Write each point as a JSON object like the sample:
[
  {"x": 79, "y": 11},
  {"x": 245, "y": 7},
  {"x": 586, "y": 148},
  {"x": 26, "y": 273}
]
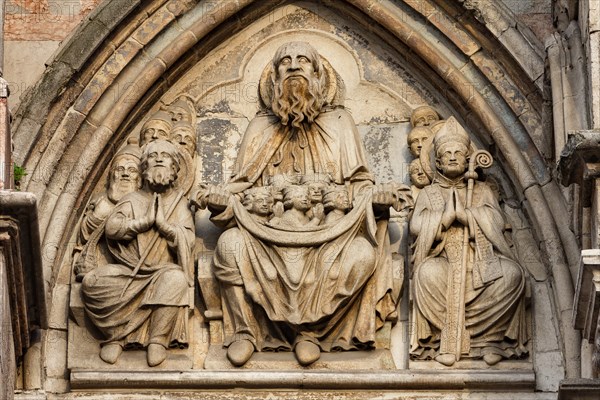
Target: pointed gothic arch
[{"x": 479, "y": 63}]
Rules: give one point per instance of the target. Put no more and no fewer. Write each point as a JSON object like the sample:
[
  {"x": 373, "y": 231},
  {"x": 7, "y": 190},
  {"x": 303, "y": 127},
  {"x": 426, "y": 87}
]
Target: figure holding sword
[{"x": 468, "y": 287}]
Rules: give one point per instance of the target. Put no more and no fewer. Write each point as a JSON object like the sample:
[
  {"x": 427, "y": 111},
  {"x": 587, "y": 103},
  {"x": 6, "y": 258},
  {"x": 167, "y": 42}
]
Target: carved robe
[
  {"x": 304, "y": 287},
  {"x": 154, "y": 307},
  {"x": 495, "y": 318}
]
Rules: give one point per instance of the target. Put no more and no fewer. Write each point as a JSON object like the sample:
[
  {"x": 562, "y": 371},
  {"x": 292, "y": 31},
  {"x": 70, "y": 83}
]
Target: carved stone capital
[{"x": 580, "y": 160}]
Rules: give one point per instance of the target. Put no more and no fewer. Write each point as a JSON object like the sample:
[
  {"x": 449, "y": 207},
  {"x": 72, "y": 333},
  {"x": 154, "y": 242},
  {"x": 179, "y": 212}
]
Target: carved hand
[
  {"x": 146, "y": 222},
  {"x": 318, "y": 212},
  {"x": 218, "y": 198},
  {"x": 449, "y": 214},
  {"x": 161, "y": 223},
  {"x": 383, "y": 196},
  {"x": 199, "y": 198},
  {"x": 461, "y": 214}
]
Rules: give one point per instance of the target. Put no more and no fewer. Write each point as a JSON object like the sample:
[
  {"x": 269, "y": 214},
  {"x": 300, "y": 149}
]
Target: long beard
[
  {"x": 118, "y": 189},
  {"x": 159, "y": 178},
  {"x": 296, "y": 100}
]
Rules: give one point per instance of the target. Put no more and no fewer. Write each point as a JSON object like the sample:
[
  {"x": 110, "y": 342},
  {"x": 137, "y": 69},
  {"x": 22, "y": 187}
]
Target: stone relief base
[
  {"x": 308, "y": 380},
  {"x": 243, "y": 394}
]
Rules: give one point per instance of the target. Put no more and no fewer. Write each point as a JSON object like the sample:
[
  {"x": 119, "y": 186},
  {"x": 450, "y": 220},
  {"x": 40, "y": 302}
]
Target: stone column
[
  {"x": 6, "y": 178},
  {"x": 579, "y": 164},
  {"x": 7, "y": 352}
]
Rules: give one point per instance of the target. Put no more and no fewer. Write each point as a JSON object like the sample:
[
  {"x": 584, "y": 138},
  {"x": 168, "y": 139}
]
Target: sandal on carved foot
[
  {"x": 446, "y": 359},
  {"x": 110, "y": 352},
  {"x": 307, "y": 352},
  {"x": 239, "y": 352},
  {"x": 492, "y": 358},
  {"x": 156, "y": 354}
]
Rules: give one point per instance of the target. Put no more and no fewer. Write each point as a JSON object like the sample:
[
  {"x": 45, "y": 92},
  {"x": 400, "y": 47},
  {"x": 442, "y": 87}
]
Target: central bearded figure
[{"x": 312, "y": 288}]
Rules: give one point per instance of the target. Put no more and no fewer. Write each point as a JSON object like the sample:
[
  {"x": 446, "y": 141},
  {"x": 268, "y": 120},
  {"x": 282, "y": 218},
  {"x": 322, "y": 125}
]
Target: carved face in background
[
  {"x": 451, "y": 159},
  {"x": 185, "y": 137},
  {"x": 417, "y": 175},
  {"x": 154, "y": 129},
  {"x": 160, "y": 163},
  {"x": 297, "y": 88},
  {"x": 424, "y": 116},
  {"x": 417, "y": 139},
  {"x": 124, "y": 177}
]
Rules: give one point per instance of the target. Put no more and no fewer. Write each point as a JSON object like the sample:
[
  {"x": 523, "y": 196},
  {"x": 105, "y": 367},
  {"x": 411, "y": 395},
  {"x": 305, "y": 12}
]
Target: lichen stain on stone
[
  {"x": 211, "y": 141},
  {"x": 217, "y": 108},
  {"x": 377, "y": 144}
]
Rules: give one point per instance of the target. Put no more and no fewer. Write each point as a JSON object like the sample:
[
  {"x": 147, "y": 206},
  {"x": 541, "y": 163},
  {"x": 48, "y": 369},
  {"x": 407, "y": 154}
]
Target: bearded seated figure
[
  {"x": 142, "y": 299},
  {"x": 294, "y": 283}
]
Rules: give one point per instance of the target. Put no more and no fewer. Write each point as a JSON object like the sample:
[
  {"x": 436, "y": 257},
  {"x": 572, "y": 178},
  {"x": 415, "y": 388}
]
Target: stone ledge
[
  {"x": 389, "y": 380},
  {"x": 579, "y": 389}
]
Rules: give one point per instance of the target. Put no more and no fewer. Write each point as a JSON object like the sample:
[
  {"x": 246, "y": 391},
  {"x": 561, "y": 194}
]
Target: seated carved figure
[
  {"x": 468, "y": 288},
  {"x": 142, "y": 300},
  {"x": 124, "y": 178},
  {"x": 306, "y": 289}
]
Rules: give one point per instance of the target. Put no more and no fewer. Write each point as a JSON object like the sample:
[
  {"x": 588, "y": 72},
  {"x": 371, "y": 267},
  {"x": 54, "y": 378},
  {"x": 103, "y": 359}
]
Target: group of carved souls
[{"x": 301, "y": 183}]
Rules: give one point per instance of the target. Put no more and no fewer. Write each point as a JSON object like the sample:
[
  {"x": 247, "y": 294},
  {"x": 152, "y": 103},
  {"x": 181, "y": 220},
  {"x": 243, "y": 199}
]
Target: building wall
[{"x": 33, "y": 30}]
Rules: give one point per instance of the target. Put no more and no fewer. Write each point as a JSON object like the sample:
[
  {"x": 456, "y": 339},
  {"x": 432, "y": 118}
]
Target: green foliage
[{"x": 18, "y": 173}]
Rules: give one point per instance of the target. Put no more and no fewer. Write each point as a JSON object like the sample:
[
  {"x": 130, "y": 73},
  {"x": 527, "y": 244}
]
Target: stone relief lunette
[{"x": 311, "y": 269}]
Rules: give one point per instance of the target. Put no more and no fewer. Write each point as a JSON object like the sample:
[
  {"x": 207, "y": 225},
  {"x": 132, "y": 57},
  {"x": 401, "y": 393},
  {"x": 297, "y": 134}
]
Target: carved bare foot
[
  {"x": 307, "y": 352},
  {"x": 240, "y": 351},
  {"x": 446, "y": 359},
  {"x": 110, "y": 352},
  {"x": 156, "y": 354},
  {"x": 492, "y": 358}
]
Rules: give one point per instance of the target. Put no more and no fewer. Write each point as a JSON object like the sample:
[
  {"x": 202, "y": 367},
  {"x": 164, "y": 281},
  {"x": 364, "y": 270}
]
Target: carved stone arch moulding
[{"x": 84, "y": 109}]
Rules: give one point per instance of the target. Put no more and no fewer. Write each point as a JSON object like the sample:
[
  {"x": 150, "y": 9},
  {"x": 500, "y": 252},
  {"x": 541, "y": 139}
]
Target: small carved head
[
  {"x": 125, "y": 174},
  {"x": 296, "y": 197},
  {"x": 336, "y": 197},
  {"x": 259, "y": 200},
  {"x": 315, "y": 184},
  {"x": 184, "y": 135},
  {"x": 160, "y": 163},
  {"x": 424, "y": 116},
  {"x": 452, "y": 150},
  {"x": 155, "y": 128},
  {"x": 417, "y": 138},
  {"x": 418, "y": 177}
]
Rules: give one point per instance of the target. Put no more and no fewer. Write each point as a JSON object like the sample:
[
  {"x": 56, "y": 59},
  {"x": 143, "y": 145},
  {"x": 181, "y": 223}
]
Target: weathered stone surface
[
  {"x": 89, "y": 36},
  {"x": 111, "y": 13},
  {"x": 384, "y": 83}
]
